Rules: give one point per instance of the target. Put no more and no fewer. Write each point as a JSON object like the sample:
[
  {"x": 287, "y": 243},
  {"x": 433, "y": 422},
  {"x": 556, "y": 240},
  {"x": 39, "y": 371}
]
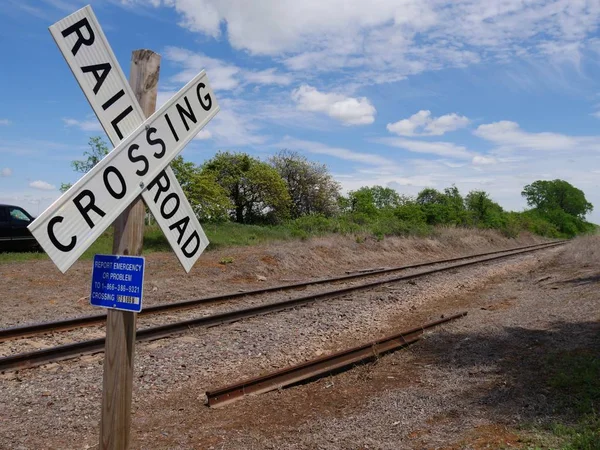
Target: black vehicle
[{"x": 14, "y": 235}]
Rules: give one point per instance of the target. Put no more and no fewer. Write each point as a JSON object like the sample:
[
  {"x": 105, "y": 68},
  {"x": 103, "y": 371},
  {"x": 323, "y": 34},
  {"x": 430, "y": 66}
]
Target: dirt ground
[{"x": 469, "y": 384}]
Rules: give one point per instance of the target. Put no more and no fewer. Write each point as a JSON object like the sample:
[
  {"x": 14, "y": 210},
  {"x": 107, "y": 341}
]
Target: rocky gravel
[{"x": 57, "y": 405}]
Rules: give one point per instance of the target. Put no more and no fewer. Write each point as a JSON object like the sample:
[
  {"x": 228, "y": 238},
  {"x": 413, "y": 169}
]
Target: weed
[{"x": 574, "y": 378}]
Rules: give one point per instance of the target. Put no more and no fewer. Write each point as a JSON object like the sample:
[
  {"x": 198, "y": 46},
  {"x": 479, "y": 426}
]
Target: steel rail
[
  {"x": 31, "y": 359},
  {"x": 99, "y": 319},
  {"x": 318, "y": 367}
]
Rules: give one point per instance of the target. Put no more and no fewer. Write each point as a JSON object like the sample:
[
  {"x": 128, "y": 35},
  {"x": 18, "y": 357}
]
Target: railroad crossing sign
[{"x": 139, "y": 162}]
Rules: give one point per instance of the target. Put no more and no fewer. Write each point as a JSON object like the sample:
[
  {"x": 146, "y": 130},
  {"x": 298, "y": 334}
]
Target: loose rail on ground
[{"x": 324, "y": 365}]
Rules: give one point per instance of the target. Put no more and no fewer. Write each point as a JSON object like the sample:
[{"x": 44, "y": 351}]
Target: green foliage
[
  {"x": 554, "y": 195},
  {"x": 561, "y": 204},
  {"x": 311, "y": 187},
  {"x": 412, "y": 213},
  {"x": 484, "y": 212},
  {"x": 445, "y": 208},
  {"x": 98, "y": 150},
  {"x": 208, "y": 199},
  {"x": 368, "y": 203},
  {"x": 574, "y": 379},
  {"x": 256, "y": 190}
]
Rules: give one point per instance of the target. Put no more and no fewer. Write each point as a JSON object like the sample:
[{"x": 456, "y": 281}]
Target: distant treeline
[{"x": 288, "y": 189}]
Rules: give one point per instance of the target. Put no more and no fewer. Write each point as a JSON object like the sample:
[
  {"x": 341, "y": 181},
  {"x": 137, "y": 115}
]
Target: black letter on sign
[
  {"x": 52, "y": 236},
  {"x": 76, "y": 28},
  {"x": 171, "y": 127},
  {"x": 116, "y": 120},
  {"x": 189, "y": 113},
  {"x": 163, "y": 147},
  {"x": 181, "y": 226},
  {"x": 104, "y": 68},
  {"x": 83, "y": 210},
  {"x": 161, "y": 187},
  {"x": 114, "y": 170},
  {"x": 135, "y": 159},
  {"x": 184, "y": 247},
  {"x": 206, "y": 97},
  {"x": 113, "y": 99},
  {"x": 164, "y": 203}
]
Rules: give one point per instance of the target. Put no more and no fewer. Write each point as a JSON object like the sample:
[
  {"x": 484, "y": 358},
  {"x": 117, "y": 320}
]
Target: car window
[
  {"x": 3, "y": 214},
  {"x": 19, "y": 214}
]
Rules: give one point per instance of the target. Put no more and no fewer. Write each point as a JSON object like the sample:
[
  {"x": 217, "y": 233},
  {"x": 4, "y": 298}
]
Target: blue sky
[{"x": 487, "y": 95}]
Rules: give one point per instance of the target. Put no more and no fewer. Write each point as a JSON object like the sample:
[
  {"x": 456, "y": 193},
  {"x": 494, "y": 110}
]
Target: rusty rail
[
  {"x": 100, "y": 319},
  {"x": 318, "y": 367}
]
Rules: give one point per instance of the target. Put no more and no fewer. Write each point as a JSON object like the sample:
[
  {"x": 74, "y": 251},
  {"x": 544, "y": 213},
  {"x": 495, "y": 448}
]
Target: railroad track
[
  {"x": 100, "y": 319},
  {"x": 31, "y": 359}
]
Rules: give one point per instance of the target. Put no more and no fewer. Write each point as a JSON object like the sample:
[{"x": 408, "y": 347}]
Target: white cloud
[
  {"x": 233, "y": 127},
  {"x": 445, "y": 149},
  {"x": 392, "y": 38},
  {"x": 223, "y": 75},
  {"x": 6, "y": 172},
  {"x": 337, "y": 152},
  {"x": 203, "y": 135},
  {"x": 84, "y": 125},
  {"x": 484, "y": 160},
  {"x": 348, "y": 110},
  {"x": 509, "y": 134},
  {"x": 268, "y": 76},
  {"x": 422, "y": 124},
  {"x": 42, "y": 185},
  {"x": 5, "y": 122}
]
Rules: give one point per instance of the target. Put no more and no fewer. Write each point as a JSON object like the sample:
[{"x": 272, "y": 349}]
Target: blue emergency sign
[{"x": 117, "y": 282}]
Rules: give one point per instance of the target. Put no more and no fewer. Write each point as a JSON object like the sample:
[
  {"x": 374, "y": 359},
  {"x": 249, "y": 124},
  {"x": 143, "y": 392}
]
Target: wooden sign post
[
  {"x": 121, "y": 325},
  {"x": 114, "y": 191}
]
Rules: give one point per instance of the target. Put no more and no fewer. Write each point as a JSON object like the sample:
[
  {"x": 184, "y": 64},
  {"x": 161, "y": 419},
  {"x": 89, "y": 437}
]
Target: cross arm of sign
[{"x": 139, "y": 162}]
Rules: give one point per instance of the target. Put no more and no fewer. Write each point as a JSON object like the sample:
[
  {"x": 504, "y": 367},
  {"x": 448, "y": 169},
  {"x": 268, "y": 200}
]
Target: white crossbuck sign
[{"x": 139, "y": 162}]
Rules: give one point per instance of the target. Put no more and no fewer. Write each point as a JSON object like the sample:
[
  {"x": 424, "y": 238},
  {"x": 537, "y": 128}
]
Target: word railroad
[{"x": 139, "y": 162}]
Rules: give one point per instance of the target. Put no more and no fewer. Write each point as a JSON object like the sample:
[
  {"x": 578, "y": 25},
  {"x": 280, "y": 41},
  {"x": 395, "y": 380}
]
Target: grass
[
  {"x": 220, "y": 235},
  {"x": 231, "y": 234},
  {"x": 574, "y": 380}
]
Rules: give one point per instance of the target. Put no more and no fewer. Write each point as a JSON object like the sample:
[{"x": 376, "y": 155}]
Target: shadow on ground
[
  {"x": 533, "y": 376},
  {"x": 583, "y": 280}
]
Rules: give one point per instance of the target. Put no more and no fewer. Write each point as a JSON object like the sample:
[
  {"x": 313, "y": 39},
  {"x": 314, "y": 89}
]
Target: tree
[
  {"x": 208, "y": 199},
  {"x": 371, "y": 200},
  {"x": 311, "y": 187},
  {"x": 361, "y": 202},
  {"x": 445, "y": 208},
  {"x": 547, "y": 196},
  {"x": 256, "y": 190},
  {"x": 482, "y": 209},
  {"x": 98, "y": 150}
]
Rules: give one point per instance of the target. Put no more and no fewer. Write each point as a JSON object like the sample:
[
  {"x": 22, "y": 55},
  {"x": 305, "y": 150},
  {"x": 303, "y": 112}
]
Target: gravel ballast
[{"x": 57, "y": 406}]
